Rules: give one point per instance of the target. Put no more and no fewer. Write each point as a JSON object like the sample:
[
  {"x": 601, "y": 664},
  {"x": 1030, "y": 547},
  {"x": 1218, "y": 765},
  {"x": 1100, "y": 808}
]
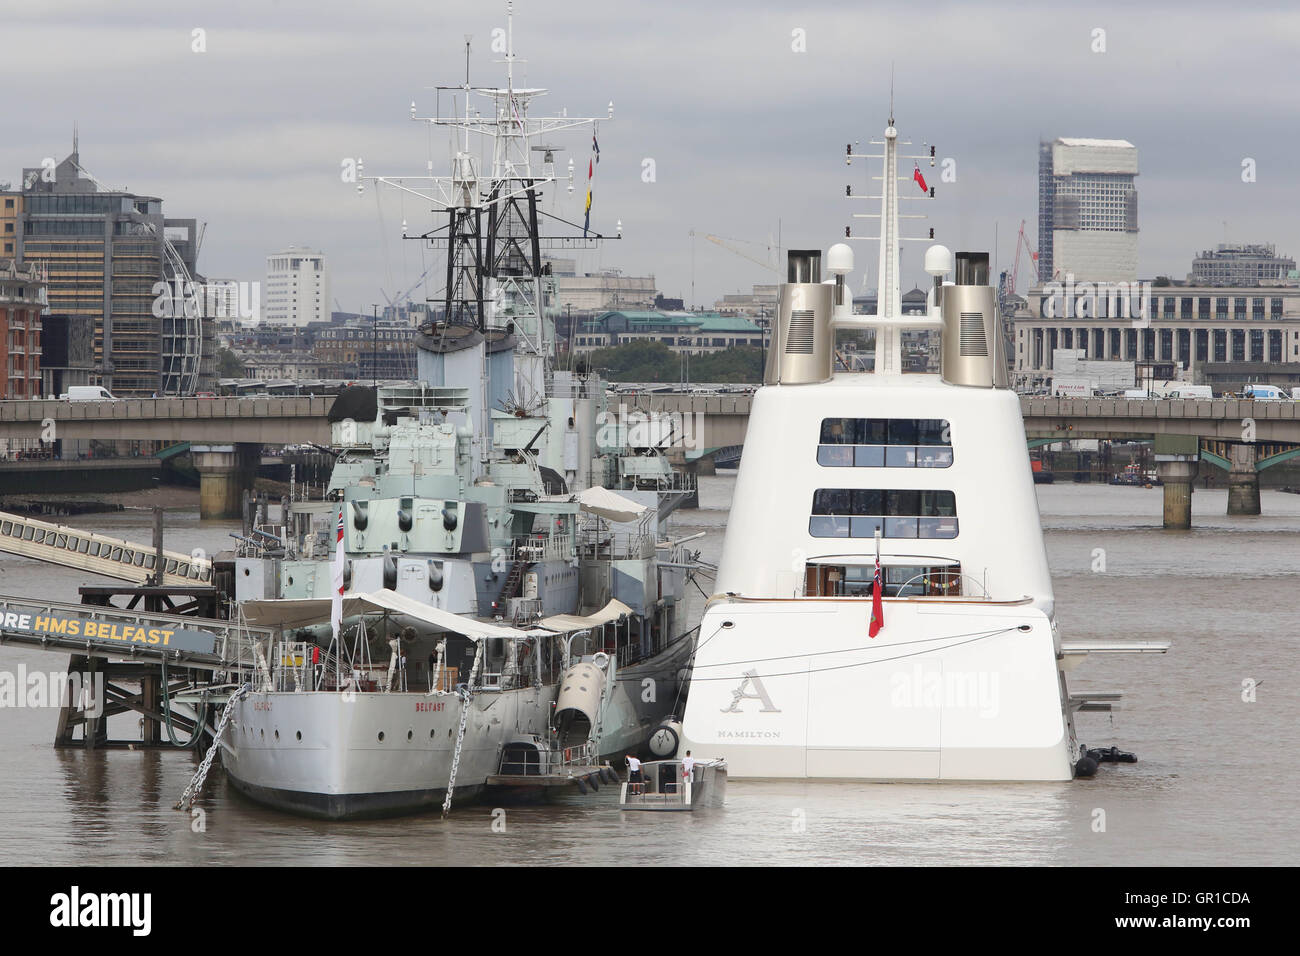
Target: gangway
[
  {"x": 182, "y": 665},
  {"x": 97, "y": 553},
  {"x": 109, "y": 632}
]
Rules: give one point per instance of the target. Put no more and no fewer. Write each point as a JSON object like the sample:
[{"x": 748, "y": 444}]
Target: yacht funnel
[
  {"x": 802, "y": 345},
  {"x": 972, "y": 339}
]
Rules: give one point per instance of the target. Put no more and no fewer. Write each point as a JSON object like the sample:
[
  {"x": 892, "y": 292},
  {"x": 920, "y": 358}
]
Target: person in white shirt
[
  {"x": 634, "y": 778},
  {"x": 688, "y": 765}
]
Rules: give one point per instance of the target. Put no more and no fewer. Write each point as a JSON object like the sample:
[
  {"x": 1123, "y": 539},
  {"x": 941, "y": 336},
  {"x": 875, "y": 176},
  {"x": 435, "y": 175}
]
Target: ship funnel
[
  {"x": 802, "y": 347},
  {"x": 972, "y": 334}
]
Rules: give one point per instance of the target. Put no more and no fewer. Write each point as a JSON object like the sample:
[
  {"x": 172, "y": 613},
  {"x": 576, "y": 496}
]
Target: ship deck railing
[
  {"x": 535, "y": 548},
  {"x": 600, "y": 545}
]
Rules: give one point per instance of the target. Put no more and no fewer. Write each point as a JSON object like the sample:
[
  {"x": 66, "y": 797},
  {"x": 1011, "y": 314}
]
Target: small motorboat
[{"x": 667, "y": 787}]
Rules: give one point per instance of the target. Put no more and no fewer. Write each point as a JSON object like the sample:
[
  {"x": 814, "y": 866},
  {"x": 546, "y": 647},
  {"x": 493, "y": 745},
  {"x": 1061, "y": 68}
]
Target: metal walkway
[
  {"x": 100, "y": 554},
  {"x": 108, "y": 632}
]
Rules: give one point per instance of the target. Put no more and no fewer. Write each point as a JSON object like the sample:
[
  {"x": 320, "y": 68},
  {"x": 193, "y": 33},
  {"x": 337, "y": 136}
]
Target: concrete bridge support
[
  {"x": 1178, "y": 476},
  {"x": 1177, "y": 461},
  {"x": 225, "y": 472},
  {"x": 1243, "y": 480}
]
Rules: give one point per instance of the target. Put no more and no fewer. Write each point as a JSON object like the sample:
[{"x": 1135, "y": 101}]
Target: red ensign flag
[
  {"x": 877, "y": 606},
  {"x": 920, "y": 180}
]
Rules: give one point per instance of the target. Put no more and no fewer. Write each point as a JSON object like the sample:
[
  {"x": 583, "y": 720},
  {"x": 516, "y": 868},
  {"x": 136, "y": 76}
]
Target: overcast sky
[{"x": 747, "y": 135}]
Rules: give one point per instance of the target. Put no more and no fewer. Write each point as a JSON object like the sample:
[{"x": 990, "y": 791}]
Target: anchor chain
[{"x": 196, "y": 782}]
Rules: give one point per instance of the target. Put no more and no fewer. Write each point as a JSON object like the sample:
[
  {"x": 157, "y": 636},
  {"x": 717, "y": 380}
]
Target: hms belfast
[{"x": 489, "y": 586}]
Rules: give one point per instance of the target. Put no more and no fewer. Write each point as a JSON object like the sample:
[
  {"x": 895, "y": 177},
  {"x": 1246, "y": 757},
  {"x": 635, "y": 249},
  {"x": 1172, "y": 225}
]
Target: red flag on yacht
[
  {"x": 916, "y": 175},
  {"x": 877, "y": 606}
]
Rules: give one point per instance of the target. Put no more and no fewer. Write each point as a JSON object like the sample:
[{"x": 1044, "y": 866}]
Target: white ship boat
[
  {"x": 902, "y": 497},
  {"x": 495, "y": 595}
]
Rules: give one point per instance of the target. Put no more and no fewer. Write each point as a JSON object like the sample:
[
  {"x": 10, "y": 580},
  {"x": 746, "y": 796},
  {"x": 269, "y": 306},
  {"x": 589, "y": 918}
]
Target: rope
[{"x": 981, "y": 637}]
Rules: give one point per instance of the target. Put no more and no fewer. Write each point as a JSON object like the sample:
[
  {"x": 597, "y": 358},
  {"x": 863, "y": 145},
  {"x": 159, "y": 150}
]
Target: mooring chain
[{"x": 196, "y": 782}]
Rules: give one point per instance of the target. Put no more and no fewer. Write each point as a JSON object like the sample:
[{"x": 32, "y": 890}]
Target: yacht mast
[{"x": 889, "y": 321}]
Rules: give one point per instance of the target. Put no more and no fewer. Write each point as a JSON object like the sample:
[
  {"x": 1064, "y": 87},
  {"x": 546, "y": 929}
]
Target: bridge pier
[
  {"x": 1243, "y": 480},
  {"x": 1178, "y": 477},
  {"x": 1177, "y": 461},
  {"x": 704, "y": 465},
  {"x": 225, "y": 471}
]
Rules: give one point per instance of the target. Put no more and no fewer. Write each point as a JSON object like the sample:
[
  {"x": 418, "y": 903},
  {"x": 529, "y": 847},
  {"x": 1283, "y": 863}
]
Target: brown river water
[{"x": 1216, "y": 782}]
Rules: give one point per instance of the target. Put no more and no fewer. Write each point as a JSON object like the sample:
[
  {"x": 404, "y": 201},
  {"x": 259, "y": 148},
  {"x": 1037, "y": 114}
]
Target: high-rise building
[
  {"x": 105, "y": 251},
  {"x": 297, "y": 288},
  {"x": 1087, "y": 210},
  {"x": 1238, "y": 264}
]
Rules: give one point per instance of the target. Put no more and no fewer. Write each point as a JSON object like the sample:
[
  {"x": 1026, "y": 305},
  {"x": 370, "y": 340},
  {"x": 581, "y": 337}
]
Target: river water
[{"x": 1216, "y": 782}]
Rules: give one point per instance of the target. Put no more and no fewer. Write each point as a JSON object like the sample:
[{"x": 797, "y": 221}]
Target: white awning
[
  {"x": 303, "y": 613},
  {"x": 576, "y": 622},
  {"x": 607, "y": 504}
]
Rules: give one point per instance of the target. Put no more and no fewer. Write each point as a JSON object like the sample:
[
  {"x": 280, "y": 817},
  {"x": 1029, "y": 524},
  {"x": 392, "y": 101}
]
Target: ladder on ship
[
  {"x": 514, "y": 581},
  {"x": 465, "y": 698},
  {"x": 97, "y": 553}
]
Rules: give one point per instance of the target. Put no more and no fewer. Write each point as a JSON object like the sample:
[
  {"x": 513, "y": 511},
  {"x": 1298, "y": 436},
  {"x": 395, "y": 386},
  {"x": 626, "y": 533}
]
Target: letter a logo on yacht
[{"x": 756, "y": 691}]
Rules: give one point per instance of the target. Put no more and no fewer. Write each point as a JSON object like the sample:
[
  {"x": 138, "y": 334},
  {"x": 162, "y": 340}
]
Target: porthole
[
  {"x": 381, "y": 736},
  {"x": 300, "y": 735},
  {"x": 430, "y": 733},
  {"x": 277, "y": 735},
  {"x": 410, "y": 734}
]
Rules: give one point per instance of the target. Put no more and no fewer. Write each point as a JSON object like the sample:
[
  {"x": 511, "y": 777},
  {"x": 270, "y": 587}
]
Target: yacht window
[
  {"x": 896, "y": 513},
  {"x": 884, "y": 443},
  {"x": 856, "y": 581}
]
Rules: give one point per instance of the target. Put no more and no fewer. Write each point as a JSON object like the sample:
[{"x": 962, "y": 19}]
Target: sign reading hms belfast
[
  {"x": 884, "y": 608},
  {"x": 510, "y": 593}
]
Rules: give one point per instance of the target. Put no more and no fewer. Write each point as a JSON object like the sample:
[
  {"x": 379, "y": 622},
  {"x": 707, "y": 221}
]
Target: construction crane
[
  {"x": 1022, "y": 242},
  {"x": 727, "y": 244}
]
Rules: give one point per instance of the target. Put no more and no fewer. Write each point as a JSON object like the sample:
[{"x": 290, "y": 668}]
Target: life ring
[{"x": 600, "y": 659}]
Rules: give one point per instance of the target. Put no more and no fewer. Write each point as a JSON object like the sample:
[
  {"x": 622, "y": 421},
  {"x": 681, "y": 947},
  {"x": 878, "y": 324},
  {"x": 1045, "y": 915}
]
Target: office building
[
  {"x": 1087, "y": 210},
  {"x": 105, "y": 251},
  {"x": 297, "y": 288},
  {"x": 1239, "y": 264}
]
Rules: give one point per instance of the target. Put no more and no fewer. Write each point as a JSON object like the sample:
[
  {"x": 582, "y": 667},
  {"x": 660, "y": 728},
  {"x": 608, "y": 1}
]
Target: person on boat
[
  {"x": 688, "y": 765},
  {"x": 634, "y": 774}
]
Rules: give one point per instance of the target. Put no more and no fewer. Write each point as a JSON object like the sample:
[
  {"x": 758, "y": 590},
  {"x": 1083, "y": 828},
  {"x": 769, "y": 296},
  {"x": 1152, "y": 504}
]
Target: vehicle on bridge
[
  {"x": 87, "y": 393},
  {"x": 1265, "y": 393},
  {"x": 1191, "y": 391}
]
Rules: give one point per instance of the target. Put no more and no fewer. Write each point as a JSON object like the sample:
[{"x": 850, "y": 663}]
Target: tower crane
[{"x": 729, "y": 245}]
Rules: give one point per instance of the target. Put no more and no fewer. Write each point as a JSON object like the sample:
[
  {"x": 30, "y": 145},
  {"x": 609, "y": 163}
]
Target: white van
[
  {"x": 1191, "y": 391},
  {"x": 88, "y": 393},
  {"x": 1136, "y": 393},
  {"x": 1265, "y": 393}
]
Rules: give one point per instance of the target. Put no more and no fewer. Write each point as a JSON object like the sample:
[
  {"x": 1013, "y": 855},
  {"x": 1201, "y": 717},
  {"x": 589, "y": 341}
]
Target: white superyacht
[{"x": 883, "y": 605}]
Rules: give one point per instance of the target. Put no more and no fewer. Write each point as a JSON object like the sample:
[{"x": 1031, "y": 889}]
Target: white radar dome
[
  {"x": 938, "y": 260},
  {"x": 839, "y": 259}
]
